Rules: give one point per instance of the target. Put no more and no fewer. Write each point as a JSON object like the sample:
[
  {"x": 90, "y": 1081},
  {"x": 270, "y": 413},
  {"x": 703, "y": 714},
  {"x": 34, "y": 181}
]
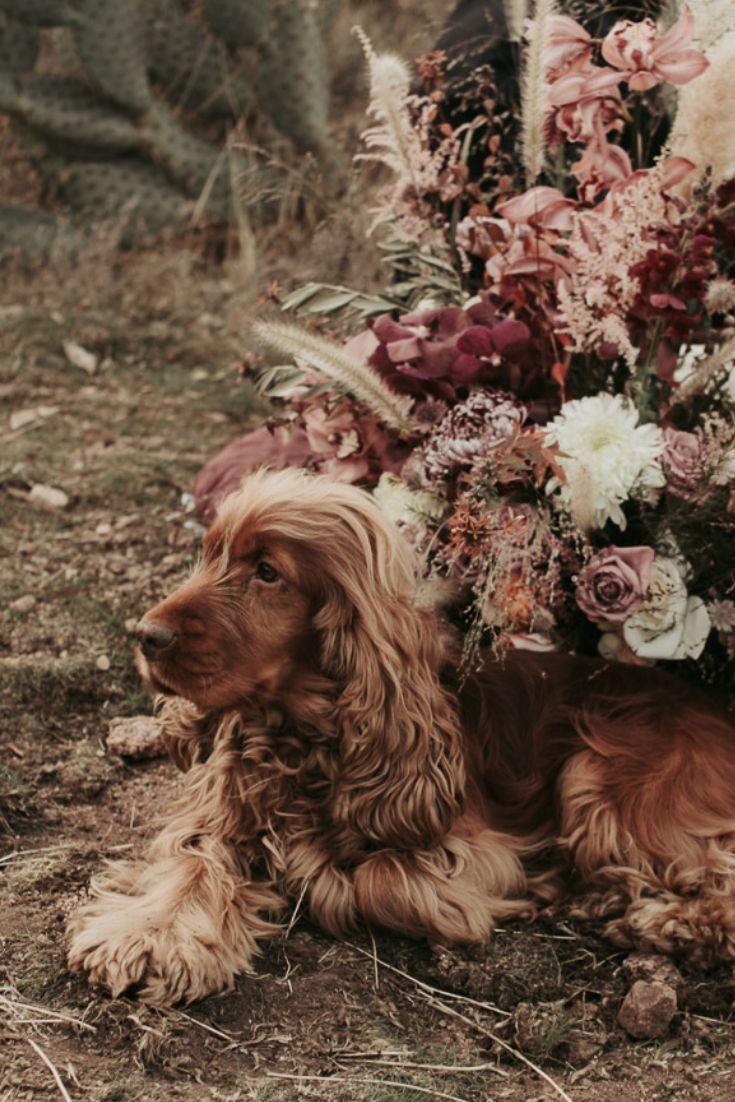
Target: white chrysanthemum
[{"x": 608, "y": 457}]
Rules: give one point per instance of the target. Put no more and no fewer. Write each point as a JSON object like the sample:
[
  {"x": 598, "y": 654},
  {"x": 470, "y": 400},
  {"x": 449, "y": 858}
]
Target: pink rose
[
  {"x": 682, "y": 463},
  {"x": 614, "y": 583},
  {"x": 648, "y": 58}
]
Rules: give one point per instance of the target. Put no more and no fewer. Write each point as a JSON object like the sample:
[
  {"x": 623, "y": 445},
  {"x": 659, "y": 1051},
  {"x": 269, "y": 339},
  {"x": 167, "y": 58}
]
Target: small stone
[
  {"x": 130, "y": 624},
  {"x": 650, "y": 967},
  {"x": 80, "y": 357},
  {"x": 136, "y": 737},
  {"x": 103, "y": 663},
  {"x": 23, "y": 604},
  {"x": 104, "y": 528},
  {"x": 48, "y": 497},
  {"x": 647, "y": 1009}
]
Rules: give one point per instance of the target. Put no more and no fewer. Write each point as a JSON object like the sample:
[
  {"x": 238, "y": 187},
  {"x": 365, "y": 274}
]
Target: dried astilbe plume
[
  {"x": 595, "y": 298},
  {"x": 533, "y": 91},
  {"x": 331, "y": 361},
  {"x": 703, "y": 129}
]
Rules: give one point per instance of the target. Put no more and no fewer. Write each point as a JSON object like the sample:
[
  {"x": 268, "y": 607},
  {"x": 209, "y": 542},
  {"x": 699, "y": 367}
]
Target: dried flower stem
[
  {"x": 329, "y": 360},
  {"x": 533, "y": 92},
  {"x": 706, "y": 373}
]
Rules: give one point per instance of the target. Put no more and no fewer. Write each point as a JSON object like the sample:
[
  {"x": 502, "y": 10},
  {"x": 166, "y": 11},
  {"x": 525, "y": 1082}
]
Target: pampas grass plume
[
  {"x": 533, "y": 92},
  {"x": 331, "y": 361},
  {"x": 704, "y": 130}
]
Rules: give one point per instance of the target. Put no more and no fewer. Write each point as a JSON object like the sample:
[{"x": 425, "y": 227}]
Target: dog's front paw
[{"x": 161, "y": 961}]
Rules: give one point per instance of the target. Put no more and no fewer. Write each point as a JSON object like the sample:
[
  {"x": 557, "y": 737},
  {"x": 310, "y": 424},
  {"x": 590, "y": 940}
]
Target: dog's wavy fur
[{"x": 330, "y": 755}]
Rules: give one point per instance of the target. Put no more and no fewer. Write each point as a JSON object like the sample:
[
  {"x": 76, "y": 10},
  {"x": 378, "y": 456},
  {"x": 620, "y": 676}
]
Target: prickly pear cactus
[
  {"x": 239, "y": 24},
  {"x": 140, "y": 115},
  {"x": 112, "y": 40},
  {"x": 292, "y": 86}
]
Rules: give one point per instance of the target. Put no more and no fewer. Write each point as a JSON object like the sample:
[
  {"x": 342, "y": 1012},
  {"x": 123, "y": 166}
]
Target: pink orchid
[
  {"x": 586, "y": 104},
  {"x": 601, "y": 167},
  {"x": 540, "y": 206},
  {"x": 648, "y": 58},
  {"x": 567, "y": 43},
  {"x": 527, "y": 254}
]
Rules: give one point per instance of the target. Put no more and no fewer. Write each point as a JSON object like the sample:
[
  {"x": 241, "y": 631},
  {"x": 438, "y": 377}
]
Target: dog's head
[
  {"x": 304, "y": 578},
  {"x": 291, "y": 561}
]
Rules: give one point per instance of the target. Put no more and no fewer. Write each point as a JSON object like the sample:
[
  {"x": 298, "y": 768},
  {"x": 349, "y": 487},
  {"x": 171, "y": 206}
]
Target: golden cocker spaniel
[{"x": 331, "y": 754}]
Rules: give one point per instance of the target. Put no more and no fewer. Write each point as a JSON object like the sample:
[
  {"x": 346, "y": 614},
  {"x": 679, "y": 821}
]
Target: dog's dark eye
[{"x": 266, "y": 572}]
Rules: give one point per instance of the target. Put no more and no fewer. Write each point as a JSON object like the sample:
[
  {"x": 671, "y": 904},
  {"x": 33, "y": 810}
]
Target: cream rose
[{"x": 670, "y": 624}]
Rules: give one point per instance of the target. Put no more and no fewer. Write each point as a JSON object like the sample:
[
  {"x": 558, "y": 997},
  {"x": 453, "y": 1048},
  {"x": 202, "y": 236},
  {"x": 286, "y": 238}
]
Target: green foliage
[
  {"x": 120, "y": 125},
  {"x": 129, "y": 190},
  {"x": 193, "y": 68},
  {"x": 41, "y": 13},
  {"x": 30, "y": 233},
  {"x": 18, "y": 47},
  {"x": 239, "y": 24},
  {"x": 111, "y": 38},
  {"x": 292, "y": 86}
]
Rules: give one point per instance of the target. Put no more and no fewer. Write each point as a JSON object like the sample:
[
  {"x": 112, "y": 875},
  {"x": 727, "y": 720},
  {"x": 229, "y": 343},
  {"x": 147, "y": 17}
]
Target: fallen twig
[
  {"x": 427, "y": 987},
  {"x": 398, "y": 1063},
  {"x": 371, "y": 1082},
  {"x": 57, "y": 1078},
  {"x": 431, "y": 995}
]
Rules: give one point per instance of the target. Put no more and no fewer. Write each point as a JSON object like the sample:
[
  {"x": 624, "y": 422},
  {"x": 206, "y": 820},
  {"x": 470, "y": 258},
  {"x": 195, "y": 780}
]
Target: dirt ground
[
  {"x": 319, "y": 1019},
  {"x": 532, "y": 1016}
]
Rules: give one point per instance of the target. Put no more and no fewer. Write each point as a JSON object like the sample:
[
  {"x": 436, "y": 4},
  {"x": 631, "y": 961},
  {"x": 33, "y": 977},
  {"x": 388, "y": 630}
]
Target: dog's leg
[
  {"x": 455, "y": 892},
  {"x": 672, "y": 891},
  {"x": 175, "y": 928},
  {"x": 182, "y": 923}
]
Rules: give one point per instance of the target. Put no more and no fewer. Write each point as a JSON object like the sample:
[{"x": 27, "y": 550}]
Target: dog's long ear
[
  {"x": 187, "y": 731},
  {"x": 402, "y": 776}
]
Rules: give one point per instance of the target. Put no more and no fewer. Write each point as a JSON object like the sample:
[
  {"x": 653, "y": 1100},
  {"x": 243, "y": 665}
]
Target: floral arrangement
[{"x": 543, "y": 395}]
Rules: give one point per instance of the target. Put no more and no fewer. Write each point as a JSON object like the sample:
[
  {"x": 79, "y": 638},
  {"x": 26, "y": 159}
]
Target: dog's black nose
[{"x": 154, "y": 637}]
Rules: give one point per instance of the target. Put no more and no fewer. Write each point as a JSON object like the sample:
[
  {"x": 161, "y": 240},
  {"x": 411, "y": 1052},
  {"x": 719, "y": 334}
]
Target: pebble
[
  {"x": 23, "y": 604},
  {"x": 650, "y": 967},
  {"x": 48, "y": 497},
  {"x": 136, "y": 737},
  {"x": 103, "y": 663},
  {"x": 24, "y": 417},
  {"x": 80, "y": 357},
  {"x": 130, "y": 624},
  {"x": 647, "y": 1009}
]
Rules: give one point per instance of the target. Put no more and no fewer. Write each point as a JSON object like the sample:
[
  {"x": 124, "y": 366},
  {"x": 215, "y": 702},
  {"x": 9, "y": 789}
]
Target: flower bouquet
[{"x": 543, "y": 395}]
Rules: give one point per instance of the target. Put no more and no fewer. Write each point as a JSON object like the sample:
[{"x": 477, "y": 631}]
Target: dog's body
[{"x": 331, "y": 758}]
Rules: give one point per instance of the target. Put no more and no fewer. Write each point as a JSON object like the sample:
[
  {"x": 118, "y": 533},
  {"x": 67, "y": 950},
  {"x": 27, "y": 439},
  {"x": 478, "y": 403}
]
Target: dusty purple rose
[
  {"x": 682, "y": 462},
  {"x": 614, "y": 583}
]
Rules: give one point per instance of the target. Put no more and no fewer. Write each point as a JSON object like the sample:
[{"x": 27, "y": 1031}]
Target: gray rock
[
  {"x": 647, "y": 1009},
  {"x": 136, "y": 737}
]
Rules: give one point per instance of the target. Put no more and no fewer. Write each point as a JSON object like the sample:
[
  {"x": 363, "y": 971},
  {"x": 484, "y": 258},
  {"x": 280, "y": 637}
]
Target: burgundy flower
[
  {"x": 614, "y": 583},
  {"x": 435, "y": 352}
]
